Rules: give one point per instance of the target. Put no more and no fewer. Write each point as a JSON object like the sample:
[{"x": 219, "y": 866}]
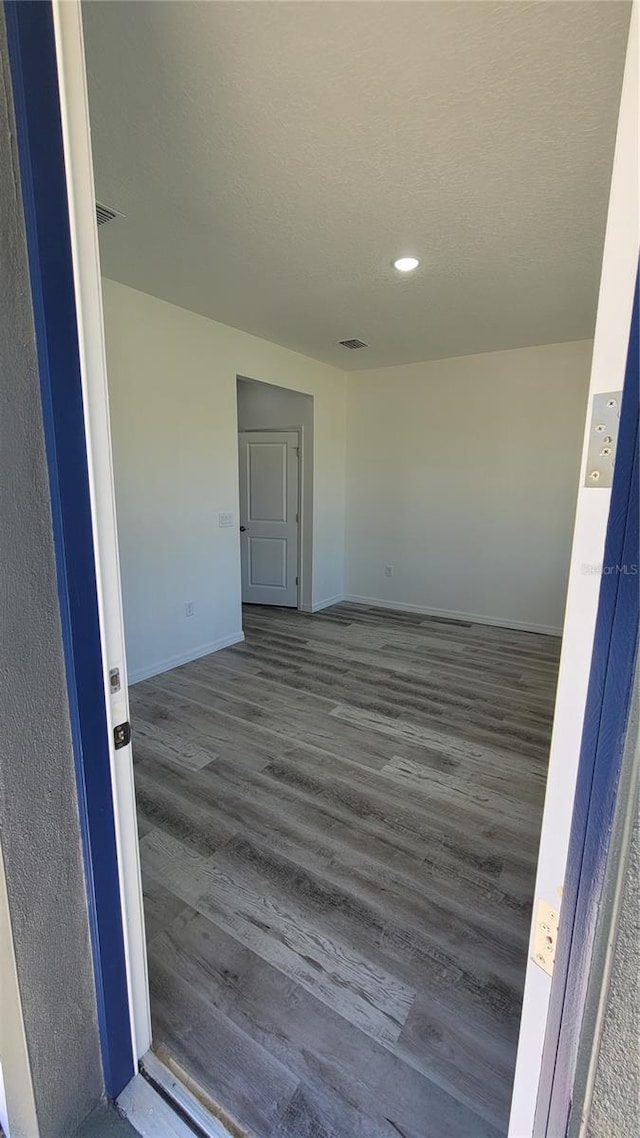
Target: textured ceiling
[{"x": 272, "y": 158}]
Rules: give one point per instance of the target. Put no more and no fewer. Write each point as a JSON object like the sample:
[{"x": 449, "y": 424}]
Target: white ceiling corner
[{"x": 273, "y": 158}]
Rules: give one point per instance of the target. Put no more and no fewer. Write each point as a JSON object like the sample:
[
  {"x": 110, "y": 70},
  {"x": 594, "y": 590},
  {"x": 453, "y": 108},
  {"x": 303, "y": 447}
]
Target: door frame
[
  {"x": 47, "y": 67},
  {"x": 609, "y": 363},
  {"x": 604, "y": 735},
  {"x": 49, "y": 95},
  {"x": 299, "y": 431}
]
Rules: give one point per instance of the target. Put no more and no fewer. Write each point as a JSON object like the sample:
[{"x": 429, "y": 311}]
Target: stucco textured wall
[
  {"x": 615, "y": 1106},
  {"x": 39, "y": 822}
]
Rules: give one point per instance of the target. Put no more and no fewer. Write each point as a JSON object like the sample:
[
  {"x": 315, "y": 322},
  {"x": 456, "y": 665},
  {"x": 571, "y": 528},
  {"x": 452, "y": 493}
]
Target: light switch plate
[
  {"x": 225, "y": 520},
  {"x": 603, "y": 439},
  {"x": 546, "y": 936}
]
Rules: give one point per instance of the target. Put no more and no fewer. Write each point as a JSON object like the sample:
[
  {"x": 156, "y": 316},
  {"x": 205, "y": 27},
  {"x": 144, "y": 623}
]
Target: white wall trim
[
  {"x": 325, "y": 604},
  {"x": 452, "y": 614},
  {"x": 184, "y": 657}
]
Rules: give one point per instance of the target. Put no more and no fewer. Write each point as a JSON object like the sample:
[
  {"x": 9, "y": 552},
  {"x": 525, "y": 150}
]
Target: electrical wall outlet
[
  {"x": 545, "y": 936},
  {"x": 388, "y": 570},
  {"x": 225, "y": 520},
  {"x": 189, "y": 608}
]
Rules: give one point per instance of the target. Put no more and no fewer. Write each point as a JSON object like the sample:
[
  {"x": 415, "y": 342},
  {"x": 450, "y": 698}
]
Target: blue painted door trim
[
  {"x": 607, "y": 711},
  {"x": 31, "y": 42}
]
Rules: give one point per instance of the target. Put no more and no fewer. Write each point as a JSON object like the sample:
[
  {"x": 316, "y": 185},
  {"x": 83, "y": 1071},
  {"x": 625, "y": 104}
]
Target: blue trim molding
[
  {"x": 606, "y": 716},
  {"x": 32, "y": 54}
]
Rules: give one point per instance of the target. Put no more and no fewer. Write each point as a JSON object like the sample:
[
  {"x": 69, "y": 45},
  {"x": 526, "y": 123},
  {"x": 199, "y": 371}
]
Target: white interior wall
[
  {"x": 172, "y": 387},
  {"x": 260, "y": 406},
  {"x": 462, "y": 476}
]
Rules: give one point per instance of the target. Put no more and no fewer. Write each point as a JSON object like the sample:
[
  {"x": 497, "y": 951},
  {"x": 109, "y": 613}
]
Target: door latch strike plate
[
  {"x": 114, "y": 680},
  {"x": 546, "y": 936},
  {"x": 122, "y": 735}
]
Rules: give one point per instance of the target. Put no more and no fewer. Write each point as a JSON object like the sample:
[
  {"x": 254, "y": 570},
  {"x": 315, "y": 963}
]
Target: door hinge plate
[
  {"x": 122, "y": 735},
  {"x": 603, "y": 439}
]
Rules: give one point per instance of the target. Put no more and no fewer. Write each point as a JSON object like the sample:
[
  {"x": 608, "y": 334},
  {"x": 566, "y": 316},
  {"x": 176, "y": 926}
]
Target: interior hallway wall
[
  {"x": 462, "y": 476},
  {"x": 260, "y": 406},
  {"x": 172, "y": 387}
]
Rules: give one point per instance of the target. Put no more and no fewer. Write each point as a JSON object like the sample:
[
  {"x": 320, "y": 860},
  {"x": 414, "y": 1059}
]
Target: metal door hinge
[
  {"x": 603, "y": 439},
  {"x": 122, "y": 735}
]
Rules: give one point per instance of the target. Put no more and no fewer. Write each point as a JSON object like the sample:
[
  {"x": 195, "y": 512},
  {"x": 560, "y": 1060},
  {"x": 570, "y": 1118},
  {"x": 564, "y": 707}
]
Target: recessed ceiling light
[{"x": 406, "y": 264}]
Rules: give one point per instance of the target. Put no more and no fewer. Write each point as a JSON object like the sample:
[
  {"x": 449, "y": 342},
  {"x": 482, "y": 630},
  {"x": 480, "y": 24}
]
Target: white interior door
[{"x": 269, "y": 517}]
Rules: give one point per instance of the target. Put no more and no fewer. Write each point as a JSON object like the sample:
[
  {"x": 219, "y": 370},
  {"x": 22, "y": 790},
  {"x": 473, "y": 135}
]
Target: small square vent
[
  {"x": 104, "y": 213},
  {"x": 353, "y": 344}
]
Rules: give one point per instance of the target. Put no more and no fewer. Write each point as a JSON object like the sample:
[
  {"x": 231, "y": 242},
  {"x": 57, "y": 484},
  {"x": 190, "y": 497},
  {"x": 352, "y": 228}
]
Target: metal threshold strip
[{"x": 159, "y": 1104}]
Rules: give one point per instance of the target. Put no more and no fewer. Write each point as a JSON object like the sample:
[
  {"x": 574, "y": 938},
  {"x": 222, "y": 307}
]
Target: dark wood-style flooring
[{"x": 339, "y": 822}]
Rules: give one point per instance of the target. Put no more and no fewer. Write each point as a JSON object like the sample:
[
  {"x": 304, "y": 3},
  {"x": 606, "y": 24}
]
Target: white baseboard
[
  {"x": 452, "y": 614},
  {"x": 184, "y": 658},
  {"x": 323, "y": 604}
]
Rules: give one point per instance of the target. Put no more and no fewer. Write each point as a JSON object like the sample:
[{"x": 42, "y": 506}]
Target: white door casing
[
  {"x": 74, "y": 109},
  {"x": 269, "y": 516},
  {"x": 610, "y": 348}
]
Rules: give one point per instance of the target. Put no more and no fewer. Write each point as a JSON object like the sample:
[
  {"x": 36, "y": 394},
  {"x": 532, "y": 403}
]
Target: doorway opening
[
  {"x": 270, "y": 517},
  {"x": 275, "y": 454},
  {"x": 339, "y": 816}
]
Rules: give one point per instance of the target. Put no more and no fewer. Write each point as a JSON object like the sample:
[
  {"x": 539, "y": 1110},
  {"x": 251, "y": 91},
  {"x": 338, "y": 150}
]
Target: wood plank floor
[{"x": 339, "y": 822}]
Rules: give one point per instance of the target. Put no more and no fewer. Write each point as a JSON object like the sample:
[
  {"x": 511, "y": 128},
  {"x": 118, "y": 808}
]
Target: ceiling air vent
[
  {"x": 104, "y": 213},
  {"x": 353, "y": 344}
]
